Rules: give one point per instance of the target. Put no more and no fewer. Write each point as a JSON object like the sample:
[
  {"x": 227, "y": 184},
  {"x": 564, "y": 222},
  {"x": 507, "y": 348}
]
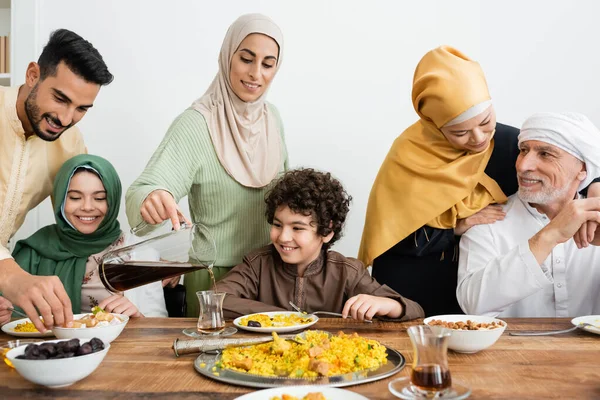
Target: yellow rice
[
  {"x": 346, "y": 353},
  {"x": 276, "y": 320},
  {"x": 25, "y": 327}
]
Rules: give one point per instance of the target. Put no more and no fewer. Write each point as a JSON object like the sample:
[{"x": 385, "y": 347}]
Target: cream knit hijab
[{"x": 245, "y": 136}]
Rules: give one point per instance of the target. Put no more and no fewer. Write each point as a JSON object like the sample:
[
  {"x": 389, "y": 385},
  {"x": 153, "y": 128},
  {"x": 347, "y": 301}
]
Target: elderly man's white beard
[{"x": 546, "y": 195}]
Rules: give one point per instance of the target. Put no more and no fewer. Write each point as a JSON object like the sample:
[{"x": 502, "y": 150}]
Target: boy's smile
[{"x": 295, "y": 237}]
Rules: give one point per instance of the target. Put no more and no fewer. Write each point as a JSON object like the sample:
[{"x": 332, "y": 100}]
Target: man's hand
[
  {"x": 564, "y": 226},
  {"x": 585, "y": 235},
  {"x": 46, "y": 293},
  {"x": 120, "y": 304},
  {"x": 5, "y": 313},
  {"x": 160, "y": 206},
  {"x": 364, "y": 306},
  {"x": 488, "y": 215}
]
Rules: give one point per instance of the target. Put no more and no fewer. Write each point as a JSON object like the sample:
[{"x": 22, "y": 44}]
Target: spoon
[
  {"x": 545, "y": 333},
  {"x": 17, "y": 312},
  {"x": 295, "y": 307}
]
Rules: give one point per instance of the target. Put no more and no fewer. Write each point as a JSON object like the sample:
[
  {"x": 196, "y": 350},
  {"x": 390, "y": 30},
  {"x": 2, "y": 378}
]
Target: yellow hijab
[{"x": 423, "y": 179}]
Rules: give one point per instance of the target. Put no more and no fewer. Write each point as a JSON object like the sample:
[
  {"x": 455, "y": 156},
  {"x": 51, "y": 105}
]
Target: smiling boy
[{"x": 307, "y": 210}]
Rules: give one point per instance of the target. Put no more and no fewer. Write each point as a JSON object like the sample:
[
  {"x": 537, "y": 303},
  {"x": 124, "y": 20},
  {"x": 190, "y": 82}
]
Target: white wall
[{"x": 344, "y": 86}]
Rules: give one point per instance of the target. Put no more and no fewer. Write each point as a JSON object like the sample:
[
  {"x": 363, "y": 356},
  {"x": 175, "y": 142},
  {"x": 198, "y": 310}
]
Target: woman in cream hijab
[
  {"x": 445, "y": 173},
  {"x": 222, "y": 152}
]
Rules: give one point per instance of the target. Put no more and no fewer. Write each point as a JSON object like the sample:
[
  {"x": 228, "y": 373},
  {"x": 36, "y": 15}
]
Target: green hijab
[{"x": 60, "y": 249}]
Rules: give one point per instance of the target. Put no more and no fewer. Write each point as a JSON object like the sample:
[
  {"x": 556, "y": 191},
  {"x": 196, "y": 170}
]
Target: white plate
[
  {"x": 278, "y": 329},
  {"x": 300, "y": 391},
  {"x": 8, "y": 328},
  {"x": 590, "y": 319}
]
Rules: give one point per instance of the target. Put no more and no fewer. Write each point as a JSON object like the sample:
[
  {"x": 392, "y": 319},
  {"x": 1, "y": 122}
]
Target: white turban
[{"x": 571, "y": 132}]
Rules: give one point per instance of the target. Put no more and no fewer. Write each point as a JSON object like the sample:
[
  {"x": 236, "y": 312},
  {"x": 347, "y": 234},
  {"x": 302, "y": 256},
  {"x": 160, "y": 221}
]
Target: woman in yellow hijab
[{"x": 444, "y": 174}]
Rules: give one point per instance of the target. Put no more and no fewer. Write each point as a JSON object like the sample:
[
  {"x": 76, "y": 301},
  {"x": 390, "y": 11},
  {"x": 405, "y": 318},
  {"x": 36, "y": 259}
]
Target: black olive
[
  {"x": 254, "y": 324},
  {"x": 68, "y": 355},
  {"x": 21, "y": 357},
  {"x": 71, "y": 346},
  {"x": 48, "y": 349},
  {"x": 85, "y": 348},
  {"x": 32, "y": 350},
  {"x": 96, "y": 344}
]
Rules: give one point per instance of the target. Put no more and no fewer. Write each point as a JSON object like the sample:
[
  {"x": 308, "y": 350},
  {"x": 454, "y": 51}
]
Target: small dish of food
[
  {"x": 58, "y": 363},
  {"x": 275, "y": 321},
  {"x": 24, "y": 328},
  {"x": 303, "y": 392},
  {"x": 470, "y": 333},
  {"x": 106, "y": 326},
  {"x": 592, "y": 320}
]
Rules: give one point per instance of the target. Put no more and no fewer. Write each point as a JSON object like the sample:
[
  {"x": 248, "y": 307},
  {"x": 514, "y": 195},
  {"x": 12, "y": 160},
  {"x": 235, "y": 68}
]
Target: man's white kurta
[{"x": 499, "y": 276}]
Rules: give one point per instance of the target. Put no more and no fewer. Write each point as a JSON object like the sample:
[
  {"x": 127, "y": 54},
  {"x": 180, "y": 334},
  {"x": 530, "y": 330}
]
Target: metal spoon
[
  {"x": 546, "y": 333},
  {"x": 17, "y": 312},
  {"x": 295, "y": 307}
]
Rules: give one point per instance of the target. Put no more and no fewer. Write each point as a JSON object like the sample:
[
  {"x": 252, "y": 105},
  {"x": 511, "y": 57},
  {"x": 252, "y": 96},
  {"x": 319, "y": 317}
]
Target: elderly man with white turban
[{"x": 528, "y": 265}]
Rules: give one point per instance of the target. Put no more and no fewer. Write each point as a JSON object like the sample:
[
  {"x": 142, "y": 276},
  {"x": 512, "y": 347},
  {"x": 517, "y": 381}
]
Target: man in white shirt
[{"x": 528, "y": 265}]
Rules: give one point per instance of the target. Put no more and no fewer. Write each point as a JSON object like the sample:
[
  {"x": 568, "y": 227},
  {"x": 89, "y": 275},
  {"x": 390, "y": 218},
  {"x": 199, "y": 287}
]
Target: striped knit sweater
[{"x": 186, "y": 163}]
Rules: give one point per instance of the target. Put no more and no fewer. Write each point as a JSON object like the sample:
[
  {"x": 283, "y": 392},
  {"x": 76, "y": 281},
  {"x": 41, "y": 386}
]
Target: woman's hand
[
  {"x": 585, "y": 235},
  {"x": 488, "y": 215},
  {"x": 160, "y": 206},
  {"x": 365, "y": 306},
  {"x": 5, "y": 313},
  {"x": 120, "y": 304}
]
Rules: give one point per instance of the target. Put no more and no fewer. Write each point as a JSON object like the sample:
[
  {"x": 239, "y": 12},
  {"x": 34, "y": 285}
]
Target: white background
[{"x": 344, "y": 88}]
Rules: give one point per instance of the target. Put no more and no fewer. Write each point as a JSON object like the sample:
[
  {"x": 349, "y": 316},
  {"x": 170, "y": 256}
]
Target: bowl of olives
[{"x": 58, "y": 363}]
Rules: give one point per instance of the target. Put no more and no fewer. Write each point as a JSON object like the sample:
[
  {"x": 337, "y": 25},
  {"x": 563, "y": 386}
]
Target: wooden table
[{"x": 141, "y": 363}]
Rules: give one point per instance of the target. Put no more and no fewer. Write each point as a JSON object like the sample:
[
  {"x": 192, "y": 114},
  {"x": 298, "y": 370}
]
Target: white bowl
[
  {"x": 105, "y": 333},
  {"x": 463, "y": 341},
  {"x": 58, "y": 372}
]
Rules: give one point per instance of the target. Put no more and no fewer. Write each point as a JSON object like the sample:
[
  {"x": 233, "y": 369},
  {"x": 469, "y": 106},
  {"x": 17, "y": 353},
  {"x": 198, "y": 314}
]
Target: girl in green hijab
[{"x": 87, "y": 196}]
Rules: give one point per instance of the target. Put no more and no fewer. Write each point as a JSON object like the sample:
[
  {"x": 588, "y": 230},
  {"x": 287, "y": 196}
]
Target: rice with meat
[{"x": 318, "y": 355}]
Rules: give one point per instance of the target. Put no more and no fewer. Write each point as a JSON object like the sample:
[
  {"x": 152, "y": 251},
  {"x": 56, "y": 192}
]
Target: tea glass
[
  {"x": 210, "y": 320},
  {"x": 430, "y": 376},
  {"x": 11, "y": 344},
  {"x": 430, "y": 373}
]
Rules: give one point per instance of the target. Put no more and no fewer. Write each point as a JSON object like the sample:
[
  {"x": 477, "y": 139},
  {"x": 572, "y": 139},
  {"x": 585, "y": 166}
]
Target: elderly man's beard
[
  {"x": 35, "y": 119},
  {"x": 547, "y": 194}
]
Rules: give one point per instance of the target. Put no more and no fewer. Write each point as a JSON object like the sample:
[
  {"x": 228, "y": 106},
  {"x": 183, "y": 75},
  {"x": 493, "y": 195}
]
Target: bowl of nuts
[
  {"x": 470, "y": 333},
  {"x": 58, "y": 363}
]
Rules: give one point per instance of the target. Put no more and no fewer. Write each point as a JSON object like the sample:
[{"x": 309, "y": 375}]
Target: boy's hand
[
  {"x": 4, "y": 312},
  {"x": 364, "y": 306},
  {"x": 120, "y": 304}
]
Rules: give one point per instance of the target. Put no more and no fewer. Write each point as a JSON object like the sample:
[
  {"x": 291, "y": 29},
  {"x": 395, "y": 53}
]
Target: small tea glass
[
  {"x": 5, "y": 347},
  {"x": 430, "y": 376},
  {"x": 210, "y": 320}
]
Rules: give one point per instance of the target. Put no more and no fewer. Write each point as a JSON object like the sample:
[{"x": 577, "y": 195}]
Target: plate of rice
[
  {"x": 24, "y": 328},
  {"x": 310, "y": 358},
  {"x": 275, "y": 321},
  {"x": 302, "y": 393}
]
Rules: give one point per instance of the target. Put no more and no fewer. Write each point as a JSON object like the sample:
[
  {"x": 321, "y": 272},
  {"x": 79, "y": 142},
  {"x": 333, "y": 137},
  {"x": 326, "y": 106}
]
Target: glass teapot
[{"x": 188, "y": 249}]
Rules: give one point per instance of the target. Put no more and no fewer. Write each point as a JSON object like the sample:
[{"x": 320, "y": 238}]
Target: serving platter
[{"x": 207, "y": 364}]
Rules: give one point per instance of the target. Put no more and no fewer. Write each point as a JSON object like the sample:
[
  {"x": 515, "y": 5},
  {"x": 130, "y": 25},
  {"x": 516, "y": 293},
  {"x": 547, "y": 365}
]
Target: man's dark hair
[
  {"x": 314, "y": 193},
  {"x": 77, "y": 53}
]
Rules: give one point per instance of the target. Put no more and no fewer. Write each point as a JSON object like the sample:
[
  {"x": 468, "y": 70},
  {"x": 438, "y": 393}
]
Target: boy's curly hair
[{"x": 310, "y": 192}]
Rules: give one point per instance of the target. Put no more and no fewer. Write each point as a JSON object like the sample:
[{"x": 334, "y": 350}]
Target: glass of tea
[
  {"x": 430, "y": 374},
  {"x": 210, "y": 320},
  {"x": 175, "y": 253}
]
